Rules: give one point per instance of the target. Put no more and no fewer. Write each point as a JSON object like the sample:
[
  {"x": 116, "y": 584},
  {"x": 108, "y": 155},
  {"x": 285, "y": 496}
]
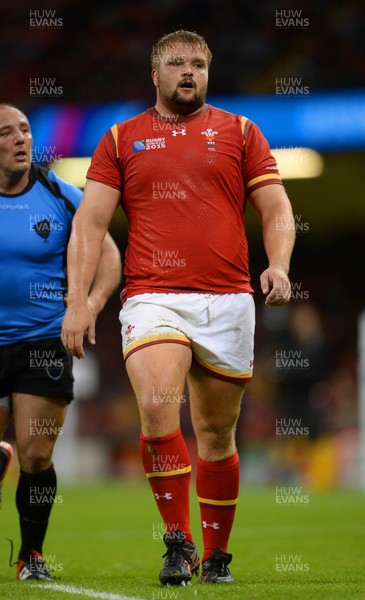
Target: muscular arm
[
  {"x": 89, "y": 228},
  {"x": 274, "y": 210},
  {"x": 107, "y": 276}
]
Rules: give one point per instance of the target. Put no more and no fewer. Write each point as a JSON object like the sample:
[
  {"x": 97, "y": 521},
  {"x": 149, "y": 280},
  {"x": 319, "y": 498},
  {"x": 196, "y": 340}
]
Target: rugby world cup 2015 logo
[
  {"x": 149, "y": 144},
  {"x": 209, "y": 136}
]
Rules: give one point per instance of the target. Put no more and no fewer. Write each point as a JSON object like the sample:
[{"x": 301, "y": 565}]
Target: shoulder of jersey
[
  {"x": 69, "y": 193},
  {"x": 226, "y": 114}
]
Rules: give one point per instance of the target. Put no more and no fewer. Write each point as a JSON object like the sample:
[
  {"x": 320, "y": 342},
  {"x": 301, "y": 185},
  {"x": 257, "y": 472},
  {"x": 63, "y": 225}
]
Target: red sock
[
  {"x": 167, "y": 466},
  {"x": 217, "y": 486}
]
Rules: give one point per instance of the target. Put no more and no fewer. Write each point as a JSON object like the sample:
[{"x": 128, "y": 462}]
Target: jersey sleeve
[
  {"x": 105, "y": 167},
  {"x": 259, "y": 165}
]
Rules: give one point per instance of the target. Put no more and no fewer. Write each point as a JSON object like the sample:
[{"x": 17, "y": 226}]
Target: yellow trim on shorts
[
  {"x": 168, "y": 337},
  {"x": 218, "y": 502},
  {"x": 169, "y": 473},
  {"x": 227, "y": 372}
]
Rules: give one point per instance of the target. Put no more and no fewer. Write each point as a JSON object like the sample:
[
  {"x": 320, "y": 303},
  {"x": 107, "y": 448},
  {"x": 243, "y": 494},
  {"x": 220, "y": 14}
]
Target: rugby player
[
  {"x": 183, "y": 172},
  {"x": 36, "y": 382}
]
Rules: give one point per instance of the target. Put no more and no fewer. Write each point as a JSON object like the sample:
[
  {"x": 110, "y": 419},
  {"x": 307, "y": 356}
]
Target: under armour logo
[
  {"x": 167, "y": 496},
  {"x": 176, "y": 132},
  {"x": 212, "y": 525}
]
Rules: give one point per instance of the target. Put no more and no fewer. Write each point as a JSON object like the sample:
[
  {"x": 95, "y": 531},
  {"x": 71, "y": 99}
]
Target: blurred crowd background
[
  {"x": 299, "y": 424},
  {"x": 101, "y": 53}
]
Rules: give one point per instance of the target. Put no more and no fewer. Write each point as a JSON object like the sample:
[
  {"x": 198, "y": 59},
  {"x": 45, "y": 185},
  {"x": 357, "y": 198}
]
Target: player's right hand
[
  {"x": 276, "y": 286},
  {"x": 78, "y": 321}
]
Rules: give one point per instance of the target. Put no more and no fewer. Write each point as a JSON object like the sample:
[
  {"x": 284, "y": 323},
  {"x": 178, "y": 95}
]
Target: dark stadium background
[{"x": 100, "y": 55}]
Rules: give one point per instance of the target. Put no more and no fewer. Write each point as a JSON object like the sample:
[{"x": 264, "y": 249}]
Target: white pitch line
[{"x": 77, "y": 591}]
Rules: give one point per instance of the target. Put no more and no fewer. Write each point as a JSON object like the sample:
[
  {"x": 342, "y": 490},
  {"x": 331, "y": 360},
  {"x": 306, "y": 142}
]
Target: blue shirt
[{"x": 35, "y": 226}]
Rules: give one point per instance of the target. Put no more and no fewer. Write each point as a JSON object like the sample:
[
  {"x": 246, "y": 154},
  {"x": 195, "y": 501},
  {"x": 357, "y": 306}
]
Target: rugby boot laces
[
  {"x": 215, "y": 569},
  {"x": 181, "y": 560}
]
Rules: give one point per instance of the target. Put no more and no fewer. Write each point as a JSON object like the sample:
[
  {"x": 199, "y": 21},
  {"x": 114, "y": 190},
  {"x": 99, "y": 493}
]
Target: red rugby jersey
[{"x": 183, "y": 186}]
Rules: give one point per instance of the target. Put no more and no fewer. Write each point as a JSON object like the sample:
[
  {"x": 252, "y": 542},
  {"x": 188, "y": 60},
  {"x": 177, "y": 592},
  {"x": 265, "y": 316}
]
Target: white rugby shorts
[{"x": 219, "y": 329}]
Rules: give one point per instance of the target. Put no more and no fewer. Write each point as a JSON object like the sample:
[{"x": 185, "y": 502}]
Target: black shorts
[{"x": 41, "y": 368}]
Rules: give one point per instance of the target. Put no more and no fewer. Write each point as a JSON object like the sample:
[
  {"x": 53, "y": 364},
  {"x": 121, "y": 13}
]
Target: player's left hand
[{"x": 276, "y": 286}]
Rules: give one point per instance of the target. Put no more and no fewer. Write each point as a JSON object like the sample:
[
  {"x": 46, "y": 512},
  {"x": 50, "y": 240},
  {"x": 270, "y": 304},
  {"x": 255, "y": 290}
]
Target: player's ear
[{"x": 154, "y": 76}]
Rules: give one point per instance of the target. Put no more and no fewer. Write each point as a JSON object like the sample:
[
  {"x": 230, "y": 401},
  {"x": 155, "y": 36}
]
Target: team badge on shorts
[
  {"x": 55, "y": 371},
  {"x": 129, "y": 338}
]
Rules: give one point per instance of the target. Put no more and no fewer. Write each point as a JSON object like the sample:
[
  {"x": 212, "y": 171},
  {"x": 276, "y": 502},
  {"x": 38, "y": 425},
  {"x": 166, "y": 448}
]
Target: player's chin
[
  {"x": 21, "y": 168},
  {"x": 189, "y": 97}
]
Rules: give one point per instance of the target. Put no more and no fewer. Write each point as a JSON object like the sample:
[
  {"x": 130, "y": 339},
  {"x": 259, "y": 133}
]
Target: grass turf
[{"x": 106, "y": 537}]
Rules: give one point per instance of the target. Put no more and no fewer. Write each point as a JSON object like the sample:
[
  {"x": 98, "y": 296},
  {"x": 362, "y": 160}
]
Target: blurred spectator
[{"x": 99, "y": 51}]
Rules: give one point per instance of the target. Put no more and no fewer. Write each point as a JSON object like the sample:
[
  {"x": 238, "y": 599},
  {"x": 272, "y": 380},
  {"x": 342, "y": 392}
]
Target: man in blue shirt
[{"x": 36, "y": 381}]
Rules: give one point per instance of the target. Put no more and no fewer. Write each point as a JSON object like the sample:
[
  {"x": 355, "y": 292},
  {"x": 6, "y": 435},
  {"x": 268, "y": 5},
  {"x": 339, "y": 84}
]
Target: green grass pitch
[{"x": 104, "y": 541}]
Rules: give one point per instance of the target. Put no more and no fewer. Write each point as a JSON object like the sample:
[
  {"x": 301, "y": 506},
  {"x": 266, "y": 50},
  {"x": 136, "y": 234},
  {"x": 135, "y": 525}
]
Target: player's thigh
[
  {"x": 158, "y": 375},
  {"x": 158, "y": 367},
  {"x": 38, "y": 421},
  {"x": 214, "y": 403}
]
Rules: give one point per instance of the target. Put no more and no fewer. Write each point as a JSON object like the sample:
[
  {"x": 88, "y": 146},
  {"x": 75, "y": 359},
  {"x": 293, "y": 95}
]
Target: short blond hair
[{"x": 189, "y": 38}]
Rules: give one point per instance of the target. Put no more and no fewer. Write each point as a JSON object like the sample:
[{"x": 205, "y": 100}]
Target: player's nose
[
  {"x": 19, "y": 137},
  {"x": 187, "y": 71}
]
